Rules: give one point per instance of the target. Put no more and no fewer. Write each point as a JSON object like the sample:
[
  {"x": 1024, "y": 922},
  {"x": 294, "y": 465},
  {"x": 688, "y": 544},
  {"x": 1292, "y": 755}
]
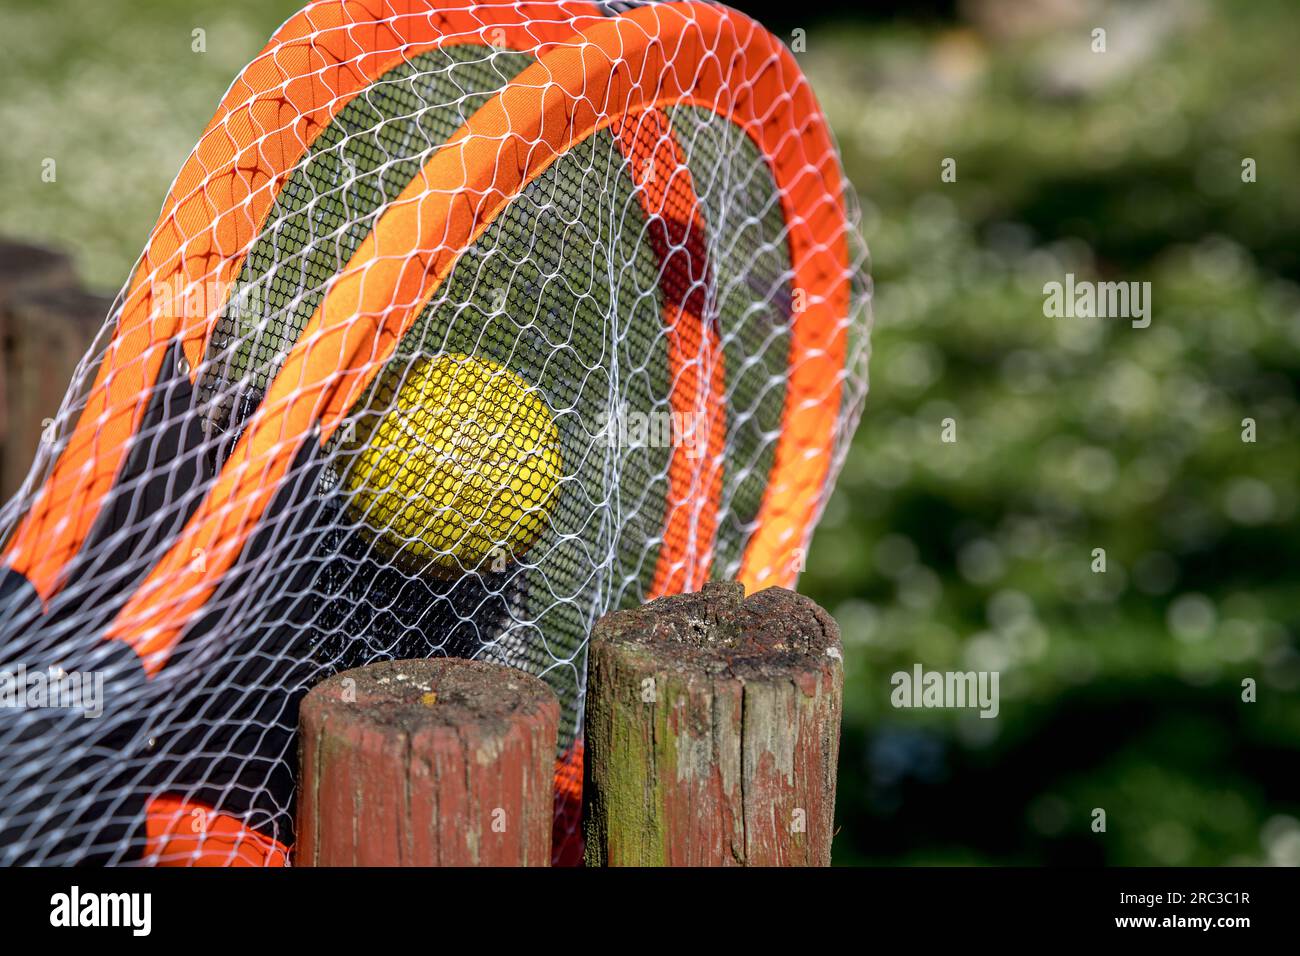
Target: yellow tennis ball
[{"x": 459, "y": 463}]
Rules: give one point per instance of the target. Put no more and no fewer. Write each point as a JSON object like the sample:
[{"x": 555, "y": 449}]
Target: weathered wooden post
[
  {"x": 24, "y": 267},
  {"x": 46, "y": 324},
  {"x": 712, "y": 731},
  {"x": 427, "y": 763}
]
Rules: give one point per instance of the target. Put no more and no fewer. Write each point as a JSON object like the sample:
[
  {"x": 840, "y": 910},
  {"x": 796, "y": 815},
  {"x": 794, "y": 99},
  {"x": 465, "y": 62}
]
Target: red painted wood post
[
  {"x": 441, "y": 762},
  {"x": 712, "y": 731}
]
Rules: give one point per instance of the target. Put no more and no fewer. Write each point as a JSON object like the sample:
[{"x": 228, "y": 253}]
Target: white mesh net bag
[{"x": 461, "y": 326}]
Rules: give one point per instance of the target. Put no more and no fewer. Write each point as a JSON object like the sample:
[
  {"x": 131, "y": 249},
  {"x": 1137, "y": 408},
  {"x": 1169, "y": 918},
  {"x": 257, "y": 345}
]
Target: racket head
[{"x": 638, "y": 213}]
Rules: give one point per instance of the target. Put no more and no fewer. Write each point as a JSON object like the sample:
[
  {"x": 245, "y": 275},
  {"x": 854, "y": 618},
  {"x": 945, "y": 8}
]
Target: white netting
[{"x": 461, "y": 326}]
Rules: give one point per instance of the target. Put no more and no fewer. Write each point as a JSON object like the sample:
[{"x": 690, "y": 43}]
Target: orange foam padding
[
  {"x": 566, "y": 833},
  {"x": 183, "y": 832}
]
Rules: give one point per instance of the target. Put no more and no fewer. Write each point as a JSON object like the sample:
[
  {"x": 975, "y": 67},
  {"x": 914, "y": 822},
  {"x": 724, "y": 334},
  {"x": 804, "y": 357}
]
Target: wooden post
[
  {"x": 441, "y": 762},
  {"x": 24, "y": 267},
  {"x": 712, "y": 731},
  {"x": 46, "y": 324}
]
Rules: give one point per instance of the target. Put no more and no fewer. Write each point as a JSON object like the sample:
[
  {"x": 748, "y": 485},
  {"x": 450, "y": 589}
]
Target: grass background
[{"x": 1119, "y": 690}]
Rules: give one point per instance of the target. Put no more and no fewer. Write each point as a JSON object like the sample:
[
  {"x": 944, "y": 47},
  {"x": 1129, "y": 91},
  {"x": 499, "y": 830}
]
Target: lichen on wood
[{"x": 712, "y": 731}]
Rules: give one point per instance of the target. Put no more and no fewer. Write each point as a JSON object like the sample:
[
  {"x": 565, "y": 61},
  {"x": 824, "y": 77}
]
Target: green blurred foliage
[
  {"x": 1119, "y": 690},
  {"x": 113, "y": 91}
]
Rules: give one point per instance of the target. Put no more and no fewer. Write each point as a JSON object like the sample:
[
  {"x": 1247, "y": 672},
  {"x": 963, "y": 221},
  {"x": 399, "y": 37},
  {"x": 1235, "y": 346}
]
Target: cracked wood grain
[
  {"x": 427, "y": 763},
  {"x": 712, "y": 731}
]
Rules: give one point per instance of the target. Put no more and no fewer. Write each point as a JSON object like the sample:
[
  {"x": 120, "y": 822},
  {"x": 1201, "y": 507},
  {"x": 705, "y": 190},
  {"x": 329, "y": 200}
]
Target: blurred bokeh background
[{"x": 1120, "y": 690}]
